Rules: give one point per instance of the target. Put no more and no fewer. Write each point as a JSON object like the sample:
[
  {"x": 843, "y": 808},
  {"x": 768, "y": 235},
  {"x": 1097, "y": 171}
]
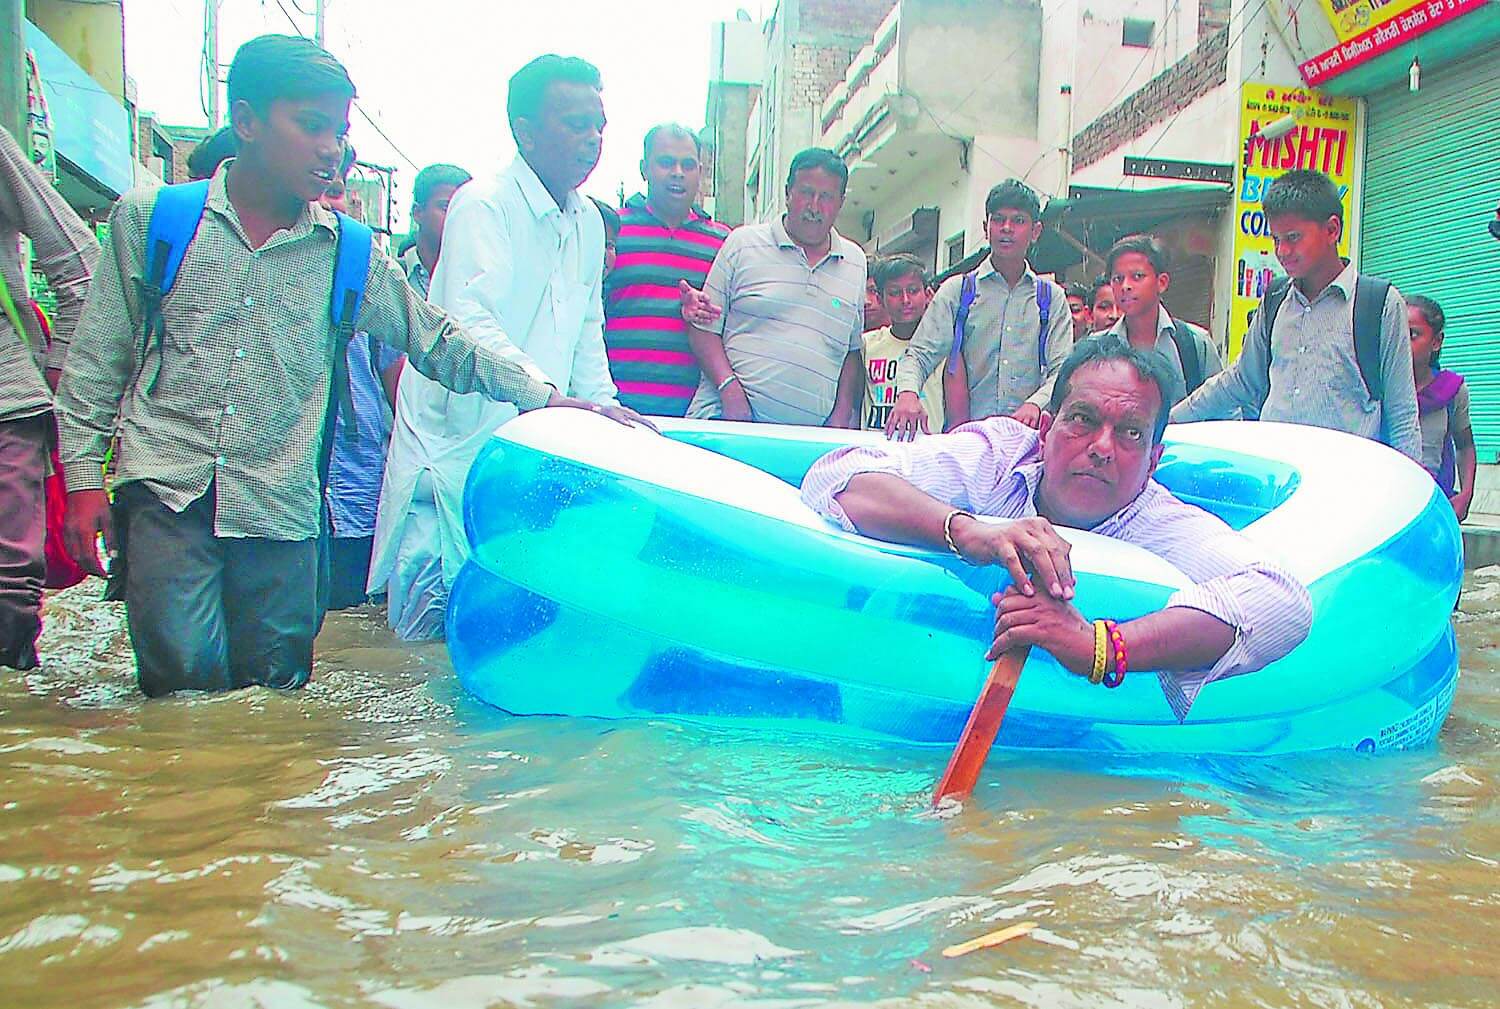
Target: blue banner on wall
[{"x": 91, "y": 128}]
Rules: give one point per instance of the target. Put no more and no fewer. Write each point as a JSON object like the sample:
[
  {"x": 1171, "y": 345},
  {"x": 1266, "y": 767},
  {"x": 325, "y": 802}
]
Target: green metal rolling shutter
[{"x": 1432, "y": 180}]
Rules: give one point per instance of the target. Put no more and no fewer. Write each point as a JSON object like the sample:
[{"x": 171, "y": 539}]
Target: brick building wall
[
  {"x": 815, "y": 70},
  {"x": 845, "y": 17},
  {"x": 809, "y": 46},
  {"x": 827, "y": 36},
  {"x": 1167, "y": 94}
]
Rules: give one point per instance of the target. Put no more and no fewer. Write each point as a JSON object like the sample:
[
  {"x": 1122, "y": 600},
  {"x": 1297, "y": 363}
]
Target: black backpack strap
[
  {"x": 1190, "y": 353},
  {"x": 1370, "y": 294},
  {"x": 1265, "y": 319}
]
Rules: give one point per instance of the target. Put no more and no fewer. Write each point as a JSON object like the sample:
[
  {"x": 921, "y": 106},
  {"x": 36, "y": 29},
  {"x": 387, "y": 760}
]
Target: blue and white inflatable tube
[{"x": 617, "y": 574}]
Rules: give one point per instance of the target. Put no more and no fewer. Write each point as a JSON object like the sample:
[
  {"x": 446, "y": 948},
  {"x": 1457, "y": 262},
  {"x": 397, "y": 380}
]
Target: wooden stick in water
[{"x": 983, "y": 725}]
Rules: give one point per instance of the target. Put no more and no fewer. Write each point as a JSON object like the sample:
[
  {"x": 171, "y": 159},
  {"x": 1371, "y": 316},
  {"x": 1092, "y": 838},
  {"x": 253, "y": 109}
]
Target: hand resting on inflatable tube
[
  {"x": 1089, "y": 467},
  {"x": 618, "y": 414}
]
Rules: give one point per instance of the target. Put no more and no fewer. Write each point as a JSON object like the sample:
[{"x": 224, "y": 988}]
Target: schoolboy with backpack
[
  {"x": 212, "y": 342},
  {"x": 1003, "y": 331},
  {"x": 1328, "y": 346},
  {"x": 1448, "y": 451},
  {"x": 1137, "y": 266}
]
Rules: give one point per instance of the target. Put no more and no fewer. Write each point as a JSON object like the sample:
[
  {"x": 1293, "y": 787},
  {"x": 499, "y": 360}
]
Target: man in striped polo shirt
[
  {"x": 664, "y": 240},
  {"x": 781, "y": 342}
]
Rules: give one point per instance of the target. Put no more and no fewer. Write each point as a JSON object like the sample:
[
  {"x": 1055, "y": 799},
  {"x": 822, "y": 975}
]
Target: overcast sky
[{"x": 432, "y": 73}]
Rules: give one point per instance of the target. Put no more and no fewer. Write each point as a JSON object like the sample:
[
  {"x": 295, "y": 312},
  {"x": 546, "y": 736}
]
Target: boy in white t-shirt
[{"x": 901, "y": 283}]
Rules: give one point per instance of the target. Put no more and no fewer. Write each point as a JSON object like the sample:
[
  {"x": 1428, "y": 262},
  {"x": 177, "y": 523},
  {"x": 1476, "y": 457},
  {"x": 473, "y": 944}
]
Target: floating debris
[{"x": 990, "y": 939}]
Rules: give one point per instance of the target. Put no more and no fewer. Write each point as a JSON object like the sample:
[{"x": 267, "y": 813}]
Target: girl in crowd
[{"x": 1443, "y": 408}]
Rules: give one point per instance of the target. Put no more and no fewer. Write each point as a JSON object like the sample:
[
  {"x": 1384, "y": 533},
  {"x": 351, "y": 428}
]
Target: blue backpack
[
  {"x": 966, "y": 294},
  {"x": 174, "y": 222}
]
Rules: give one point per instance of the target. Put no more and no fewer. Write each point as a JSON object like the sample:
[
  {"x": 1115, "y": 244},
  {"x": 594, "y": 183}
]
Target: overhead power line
[{"x": 357, "y": 106}]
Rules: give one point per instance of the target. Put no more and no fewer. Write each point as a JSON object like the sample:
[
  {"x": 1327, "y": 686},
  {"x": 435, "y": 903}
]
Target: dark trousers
[
  {"x": 23, "y": 526},
  {"x": 348, "y": 569},
  {"x": 214, "y": 613}
]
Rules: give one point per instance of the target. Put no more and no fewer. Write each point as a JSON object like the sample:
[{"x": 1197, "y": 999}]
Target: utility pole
[
  {"x": 318, "y": 23},
  {"x": 13, "y": 70},
  {"x": 211, "y": 59}
]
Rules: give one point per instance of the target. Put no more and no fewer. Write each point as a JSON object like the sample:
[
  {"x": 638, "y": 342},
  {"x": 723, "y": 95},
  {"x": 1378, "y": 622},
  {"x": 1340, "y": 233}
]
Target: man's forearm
[
  {"x": 927, "y": 348},
  {"x": 917, "y": 363},
  {"x": 851, "y": 388},
  {"x": 886, "y": 507},
  {"x": 1216, "y": 399},
  {"x": 1177, "y": 639},
  {"x": 450, "y": 357},
  {"x": 708, "y": 348}
]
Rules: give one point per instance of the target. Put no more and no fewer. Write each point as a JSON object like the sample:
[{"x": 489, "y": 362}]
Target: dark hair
[
  {"x": 346, "y": 160},
  {"x": 1147, "y": 245},
  {"x": 277, "y": 67},
  {"x": 1100, "y": 282},
  {"x": 1303, "y": 193},
  {"x": 902, "y": 264},
  {"x": 1015, "y": 194},
  {"x": 611, "y": 216},
  {"x": 1433, "y": 313},
  {"x": 669, "y": 130},
  {"x": 528, "y": 86},
  {"x": 1148, "y": 364},
  {"x": 211, "y": 152},
  {"x": 433, "y": 176},
  {"x": 820, "y": 158},
  {"x": 1073, "y": 289}
]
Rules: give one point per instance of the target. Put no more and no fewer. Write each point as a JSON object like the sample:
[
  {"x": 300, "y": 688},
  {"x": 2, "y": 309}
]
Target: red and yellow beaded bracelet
[{"x": 1121, "y": 655}]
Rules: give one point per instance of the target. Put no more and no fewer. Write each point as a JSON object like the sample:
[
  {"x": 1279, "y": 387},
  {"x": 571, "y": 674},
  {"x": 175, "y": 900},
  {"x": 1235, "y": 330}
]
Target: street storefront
[{"x": 1432, "y": 182}]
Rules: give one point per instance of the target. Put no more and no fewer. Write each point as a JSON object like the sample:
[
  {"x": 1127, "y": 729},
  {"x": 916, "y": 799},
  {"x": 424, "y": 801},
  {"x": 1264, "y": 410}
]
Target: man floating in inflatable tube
[{"x": 1089, "y": 467}]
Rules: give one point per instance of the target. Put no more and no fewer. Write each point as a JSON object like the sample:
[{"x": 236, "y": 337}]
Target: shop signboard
[
  {"x": 1323, "y": 138},
  {"x": 90, "y": 127},
  {"x": 1368, "y": 28}
]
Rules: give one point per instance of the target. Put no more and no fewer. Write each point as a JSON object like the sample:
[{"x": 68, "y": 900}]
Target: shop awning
[
  {"x": 1089, "y": 203},
  {"x": 1100, "y": 217}
]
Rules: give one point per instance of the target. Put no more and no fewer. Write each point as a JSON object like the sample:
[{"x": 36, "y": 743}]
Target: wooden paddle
[{"x": 983, "y": 725}]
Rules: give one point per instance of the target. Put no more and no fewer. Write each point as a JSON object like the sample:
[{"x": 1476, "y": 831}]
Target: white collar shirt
[{"x": 523, "y": 276}]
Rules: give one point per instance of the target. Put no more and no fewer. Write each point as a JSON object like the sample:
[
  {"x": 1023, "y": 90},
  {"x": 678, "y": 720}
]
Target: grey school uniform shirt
[
  {"x": 1208, "y": 354},
  {"x": 1314, "y": 375},
  {"x": 234, "y": 394},
  {"x": 787, "y": 326},
  {"x": 1001, "y": 341}
]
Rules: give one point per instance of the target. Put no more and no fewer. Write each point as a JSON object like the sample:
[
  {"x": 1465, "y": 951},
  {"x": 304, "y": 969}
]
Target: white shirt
[{"x": 523, "y": 276}]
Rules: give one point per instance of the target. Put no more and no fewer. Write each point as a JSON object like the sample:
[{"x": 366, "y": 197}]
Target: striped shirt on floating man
[{"x": 664, "y": 240}]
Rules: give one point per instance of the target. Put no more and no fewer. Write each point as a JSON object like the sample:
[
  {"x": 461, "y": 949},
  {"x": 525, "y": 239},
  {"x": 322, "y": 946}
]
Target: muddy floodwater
[{"x": 380, "y": 839}]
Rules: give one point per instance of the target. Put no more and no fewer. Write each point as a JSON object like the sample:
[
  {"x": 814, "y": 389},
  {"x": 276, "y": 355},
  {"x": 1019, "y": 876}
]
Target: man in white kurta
[{"x": 522, "y": 274}]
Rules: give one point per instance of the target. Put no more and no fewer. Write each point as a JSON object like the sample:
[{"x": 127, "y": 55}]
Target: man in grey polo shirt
[
  {"x": 789, "y": 294},
  {"x": 1010, "y": 361}
]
